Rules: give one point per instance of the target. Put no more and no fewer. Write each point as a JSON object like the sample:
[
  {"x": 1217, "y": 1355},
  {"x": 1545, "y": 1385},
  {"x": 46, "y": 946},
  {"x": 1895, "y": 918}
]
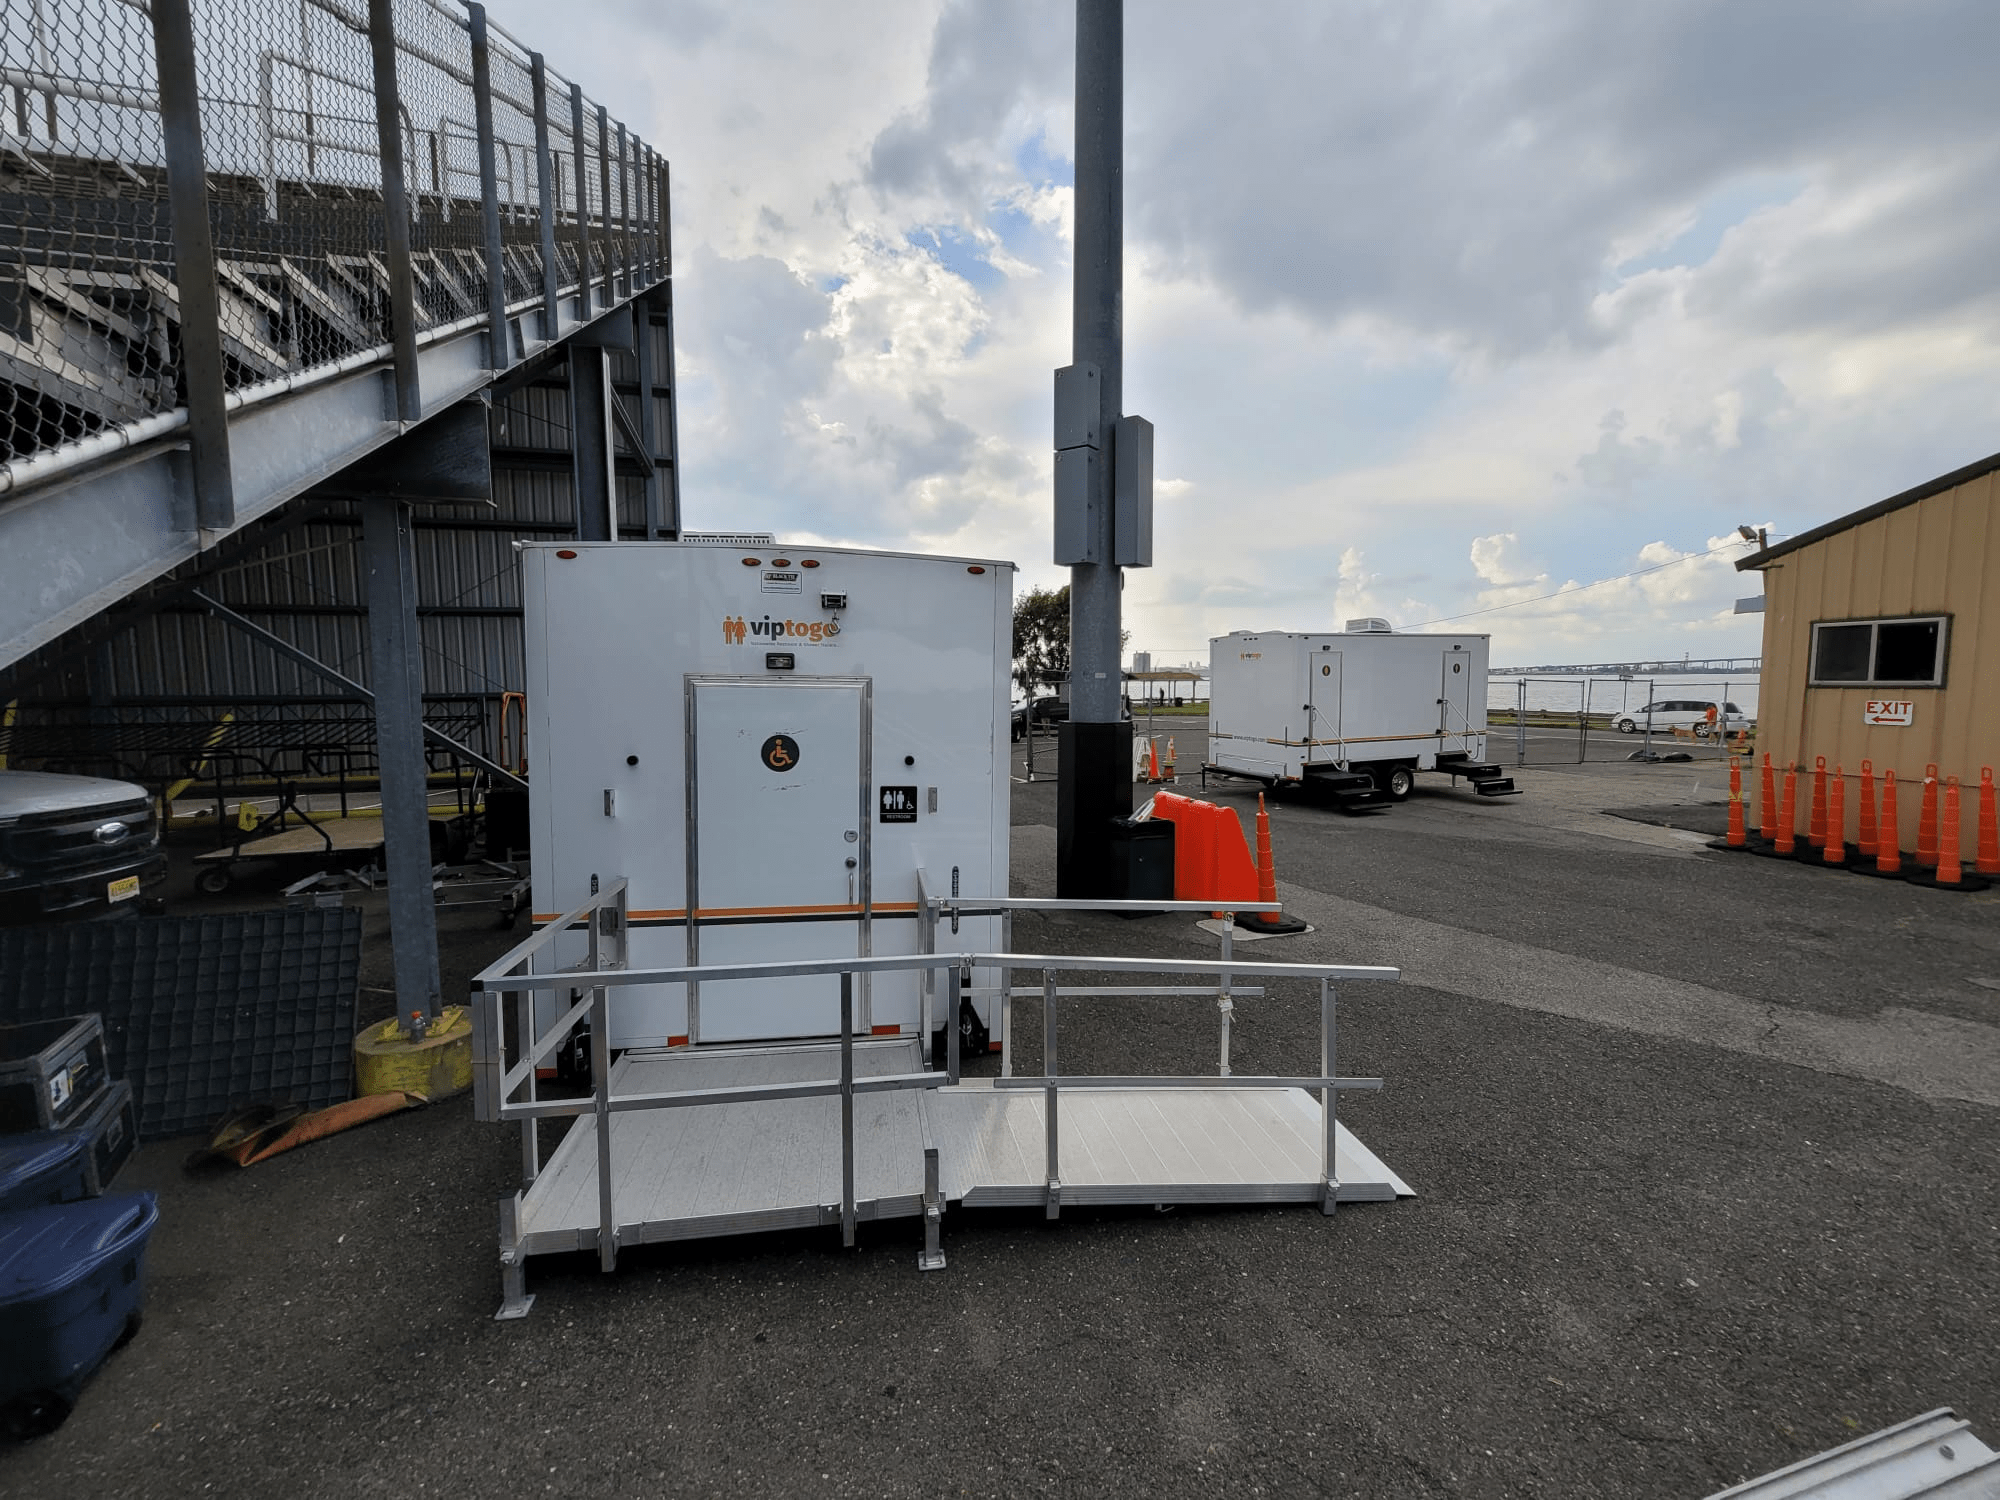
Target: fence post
[
  {"x": 500, "y": 350},
  {"x": 625, "y": 257},
  {"x": 604, "y": 201},
  {"x": 664, "y": 221},
  {"x": 583, "y": 297},
  {"x": 545, "y": 195},
  {"x": 194, "y": 267},
  {"x": 1521, "y": 723},
  {"x": 395, "y": 210}
]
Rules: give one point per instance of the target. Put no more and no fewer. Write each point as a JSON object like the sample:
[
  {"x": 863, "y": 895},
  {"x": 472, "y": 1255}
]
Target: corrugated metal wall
[{"x": 1939, "y": 555}]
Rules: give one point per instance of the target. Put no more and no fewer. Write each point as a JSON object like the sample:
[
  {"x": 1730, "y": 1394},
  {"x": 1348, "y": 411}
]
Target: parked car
[
  {"x": 1046, "y": 711},
  {"x": 1679, "y": 713},
  {"x": 74, "y": 846}
]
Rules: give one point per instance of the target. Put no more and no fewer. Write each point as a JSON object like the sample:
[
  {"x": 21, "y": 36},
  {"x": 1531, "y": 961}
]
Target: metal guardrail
[
  {"x": 603, "y": 916},
  {"x": 208, "y": 208}
]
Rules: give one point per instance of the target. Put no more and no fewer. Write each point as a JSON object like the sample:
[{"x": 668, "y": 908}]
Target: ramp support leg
[
  {"x": 847, "y": 1110},
  {"x": 932, "y": 1256},
  {"x": 1329, "y": 1175},
  {"x": 515, "y": 1299},
  {"x": 1054, "y": 1158}
]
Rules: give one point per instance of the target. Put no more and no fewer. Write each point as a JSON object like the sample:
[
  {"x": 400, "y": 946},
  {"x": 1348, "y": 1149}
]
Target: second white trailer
[{"x": 1357, "y": 714}]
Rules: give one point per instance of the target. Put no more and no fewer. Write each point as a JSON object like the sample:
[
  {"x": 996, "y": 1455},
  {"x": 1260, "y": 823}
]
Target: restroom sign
[{"x": 1889, "y": 711}]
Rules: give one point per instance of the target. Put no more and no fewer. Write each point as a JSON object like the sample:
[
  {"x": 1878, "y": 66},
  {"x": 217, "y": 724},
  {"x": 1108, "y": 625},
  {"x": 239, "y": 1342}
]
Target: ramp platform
[{"x": 736, "y": 1168}]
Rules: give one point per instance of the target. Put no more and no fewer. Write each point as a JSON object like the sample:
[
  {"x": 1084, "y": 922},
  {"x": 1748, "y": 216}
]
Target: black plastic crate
[
  {"x": 51, "y": 1071},
  {"x": 111, "y": 1135}
]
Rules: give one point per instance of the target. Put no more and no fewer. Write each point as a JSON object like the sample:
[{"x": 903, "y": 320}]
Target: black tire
[
  {"x": 1397, "y": 781},
  {"x": 35, "y": 1414},
  {"x": 1627, "y": 726},
  {"x": 214, "y": 881}
]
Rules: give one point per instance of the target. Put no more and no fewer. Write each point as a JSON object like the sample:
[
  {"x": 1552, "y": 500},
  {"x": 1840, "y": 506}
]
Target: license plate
[{"x": 122, "y": 889}]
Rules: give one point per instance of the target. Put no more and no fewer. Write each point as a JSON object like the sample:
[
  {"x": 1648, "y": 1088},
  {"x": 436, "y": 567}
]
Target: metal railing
[
  {"x": 216, "y": 205},
  {"x": 504, "y": 1082}
]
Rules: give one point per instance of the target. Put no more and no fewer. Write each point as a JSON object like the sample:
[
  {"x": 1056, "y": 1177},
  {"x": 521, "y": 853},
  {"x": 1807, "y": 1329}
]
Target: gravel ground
[{"x": 1708, "y": 1164}]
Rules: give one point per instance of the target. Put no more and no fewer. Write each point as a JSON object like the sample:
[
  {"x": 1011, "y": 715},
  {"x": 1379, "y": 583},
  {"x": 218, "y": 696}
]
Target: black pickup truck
[{"x": 74, "y": 846}]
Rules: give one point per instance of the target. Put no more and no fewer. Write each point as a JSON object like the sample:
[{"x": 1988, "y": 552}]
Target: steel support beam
[
  {"x": 545, "y": 193},
  {"x": 1094, "y": 749},
  {"x": 500, "y": 354},
  {"x": 395, "y": 658},
  {"x": 593, "y": 462},
  {"x": 395, "y": 212},
  {"x": 213, "y": 491},
  {"x": 656, "y": 482}
]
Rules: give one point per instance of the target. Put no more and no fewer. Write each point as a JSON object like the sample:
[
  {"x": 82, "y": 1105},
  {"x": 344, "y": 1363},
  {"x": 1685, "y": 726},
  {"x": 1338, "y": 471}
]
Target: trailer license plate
[{"x": 122, "y": 889}]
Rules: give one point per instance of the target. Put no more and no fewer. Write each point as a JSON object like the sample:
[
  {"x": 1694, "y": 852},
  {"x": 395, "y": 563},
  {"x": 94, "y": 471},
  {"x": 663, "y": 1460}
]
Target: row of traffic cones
[
  {"x": 1160, "y": 769},
  {"x": 1937, "y": 860}
]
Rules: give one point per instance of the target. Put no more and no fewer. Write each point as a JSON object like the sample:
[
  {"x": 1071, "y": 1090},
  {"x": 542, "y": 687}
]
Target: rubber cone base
[
  {"x": 1748, "y": 846},
  {"x": 1260, "y": 921},
  {"x": 1968, "y": 882},
  {"x": 1867, "y": 867}
]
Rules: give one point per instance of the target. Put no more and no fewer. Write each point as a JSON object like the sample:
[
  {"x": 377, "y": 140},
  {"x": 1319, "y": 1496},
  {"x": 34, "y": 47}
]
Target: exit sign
[{"x": 1889, "y": 711}]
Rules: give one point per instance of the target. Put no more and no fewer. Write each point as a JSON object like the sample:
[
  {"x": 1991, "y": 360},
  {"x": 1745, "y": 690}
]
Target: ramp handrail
[{"x": 603, "y": 915}]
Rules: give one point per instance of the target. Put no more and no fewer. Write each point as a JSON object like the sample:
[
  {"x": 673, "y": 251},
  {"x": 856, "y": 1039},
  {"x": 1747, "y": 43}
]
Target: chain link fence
[
  {"x": 511, "y": 187},
  {"x": 1568, "y": 720}
]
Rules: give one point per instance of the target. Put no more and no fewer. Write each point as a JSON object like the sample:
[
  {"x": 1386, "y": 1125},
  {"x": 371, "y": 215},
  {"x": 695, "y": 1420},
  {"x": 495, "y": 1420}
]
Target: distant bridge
[{"x": 1702, "y": 666}]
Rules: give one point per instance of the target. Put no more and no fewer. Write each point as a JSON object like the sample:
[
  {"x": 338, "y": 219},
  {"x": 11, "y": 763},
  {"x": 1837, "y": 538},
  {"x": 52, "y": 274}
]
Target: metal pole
[
  {"x": 604, "y": 202},
  {"x": 1329, "y": 1170},
  {"x": 395, "y": 211},
  {"x": 395, "y": 656},
  {"x": 847, "y": 1110},
  {"x": 1053, "y": 1158},
  {"x": 583, "y": 300},
  {"x": 1094, "y": 748},
  {"x": 1521, "y": 722},
  {"x": 545, "y": 195},
  {"x": 500, "y": 343},
  {"x": 625, "y": 257},
  {"x": 194, "y": 267},
  {"x": 653, "y": 481},
  {"x": 1583, "y": 726},
  {"x": 665, "y": 208},
  {"x": 1649, "y": 719}
]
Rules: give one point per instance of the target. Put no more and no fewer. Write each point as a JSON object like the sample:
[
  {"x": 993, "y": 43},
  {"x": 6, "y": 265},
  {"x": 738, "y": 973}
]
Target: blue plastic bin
[
  {"x": 39, "y": 1167},
  {"x": 72, "y": 1282}
]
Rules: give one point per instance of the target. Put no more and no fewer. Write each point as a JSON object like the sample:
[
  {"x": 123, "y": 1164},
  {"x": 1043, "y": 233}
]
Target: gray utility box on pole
[{"x": 1098, "y": 463}]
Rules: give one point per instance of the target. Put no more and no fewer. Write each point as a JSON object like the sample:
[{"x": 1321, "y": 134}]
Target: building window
[{"x": 1880, "y": 653}]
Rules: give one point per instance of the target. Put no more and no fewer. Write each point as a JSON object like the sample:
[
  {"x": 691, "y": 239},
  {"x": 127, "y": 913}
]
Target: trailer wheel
[
  {"x": 1398, "y": 782},
  {"x": 213, "y": 881}
]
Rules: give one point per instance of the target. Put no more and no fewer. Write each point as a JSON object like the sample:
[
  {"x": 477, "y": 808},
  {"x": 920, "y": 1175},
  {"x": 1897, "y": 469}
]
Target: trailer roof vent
[
  {"x": 1373, "y": 625},
  {"x": 727, "y": 539}
]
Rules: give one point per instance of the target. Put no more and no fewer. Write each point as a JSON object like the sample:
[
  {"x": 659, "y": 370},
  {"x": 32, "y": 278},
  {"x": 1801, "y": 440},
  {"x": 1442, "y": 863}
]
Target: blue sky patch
[{"x": 1720, "y": 212}]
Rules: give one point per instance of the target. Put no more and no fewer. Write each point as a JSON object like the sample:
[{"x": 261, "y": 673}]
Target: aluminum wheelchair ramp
[
  {"x": 737, "y": 1168},
  {"x": 693, "y": 1142}
]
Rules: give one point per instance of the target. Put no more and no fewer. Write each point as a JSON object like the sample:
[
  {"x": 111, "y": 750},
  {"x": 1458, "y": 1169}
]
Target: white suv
[{"x": 1670, "y": 714}]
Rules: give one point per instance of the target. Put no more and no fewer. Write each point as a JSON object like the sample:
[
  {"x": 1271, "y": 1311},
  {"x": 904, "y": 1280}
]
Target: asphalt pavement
[{"x": 1707, "y": 1155}]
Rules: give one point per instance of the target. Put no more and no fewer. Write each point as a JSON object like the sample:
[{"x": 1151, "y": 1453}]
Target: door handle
[{"x": 851, "y": 862}]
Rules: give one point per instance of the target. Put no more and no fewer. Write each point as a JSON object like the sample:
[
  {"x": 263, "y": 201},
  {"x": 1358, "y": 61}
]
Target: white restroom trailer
[
  {"x": 1294, "y": 708},
  {"x": 767, "y": 742}
]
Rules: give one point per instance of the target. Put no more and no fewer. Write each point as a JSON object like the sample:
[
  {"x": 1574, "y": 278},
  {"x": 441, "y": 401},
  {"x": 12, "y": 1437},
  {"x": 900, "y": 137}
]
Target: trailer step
[
  {"x": 1496, "y": 786},
  {"x": 1350, "y": 791},
  {"x": 1487, "y": 779}
]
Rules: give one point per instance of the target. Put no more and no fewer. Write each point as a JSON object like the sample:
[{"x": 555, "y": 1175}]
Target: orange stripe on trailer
[{"x": 885, "y": 1031}]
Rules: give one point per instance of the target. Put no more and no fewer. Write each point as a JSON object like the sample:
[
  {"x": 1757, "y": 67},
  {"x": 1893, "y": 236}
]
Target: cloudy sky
[{"x": 1435, "y": 307}]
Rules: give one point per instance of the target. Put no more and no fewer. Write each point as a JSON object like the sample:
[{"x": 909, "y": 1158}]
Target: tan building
[{"x": 1882, "y": 643}]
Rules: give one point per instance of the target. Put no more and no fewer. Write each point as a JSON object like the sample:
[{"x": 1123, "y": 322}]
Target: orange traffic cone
[
  {"x": 1987, "y": 860},
  {"x": 1949, "y": 871},
  {"x": 1865, "y": 844},
  {"x": 1152, "y": 760},
  {"x": 1816, "y": 830},
  {"x": 1927, "y": 822},
  {"x": 1834, "y": 851},
  {"x": 1788, "y": 814},
  {"x": 1767, "y": 805},
  {"x": 1267, "y": 879},
  {"x": 1889, "y": 838},
  {"x": 1737, "y": 838},
  {"x": 1170, "y": 755}
]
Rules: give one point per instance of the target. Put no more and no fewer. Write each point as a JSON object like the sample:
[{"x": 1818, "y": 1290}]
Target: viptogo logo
[{"x": 737, "y": 631}]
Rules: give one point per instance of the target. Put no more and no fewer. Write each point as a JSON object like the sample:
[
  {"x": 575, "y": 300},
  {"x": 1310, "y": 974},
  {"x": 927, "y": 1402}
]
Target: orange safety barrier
[
  {"x": 1737, "y": 838},
  {"x": 1949, "y": 871},
  {"x": 1889, "y": 853},
  {"x": 1927, "y": 822},
  {"x": 1986, "y": 861},
  {"x": 1788, "y": 815},
  {"x": 1211, "y": 860},
  {"x": 1864, "y": 844},
  {"x": 1767, "y": 805},
  {"x": 1816, "y": 830},
  {"x": 1834, "y": 850}
]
